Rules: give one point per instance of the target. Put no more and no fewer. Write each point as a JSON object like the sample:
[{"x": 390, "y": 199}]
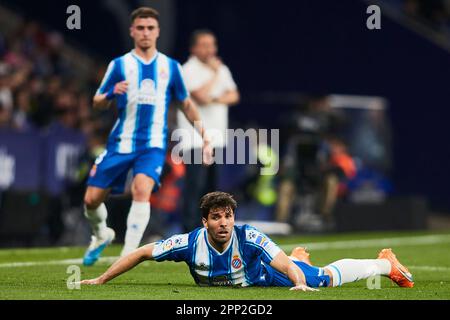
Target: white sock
[
  {"x": 97, "y": 220},
  {"x": 350, "y": 270},
  {"x": 137, "y": 221}
]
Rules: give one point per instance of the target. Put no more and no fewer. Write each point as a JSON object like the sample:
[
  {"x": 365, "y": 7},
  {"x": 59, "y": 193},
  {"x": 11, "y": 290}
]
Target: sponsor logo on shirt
[
  {"x": 202, "y": 267},
  {"x": 147, "y": 92},
  {"x": 222, "y": 281}
]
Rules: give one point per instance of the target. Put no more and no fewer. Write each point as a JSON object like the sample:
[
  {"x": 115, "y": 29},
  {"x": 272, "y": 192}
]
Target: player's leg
[
  {"x": 96, "y": 213},
  {"x": 147, "y": 169},
  {"x": 350, "y": 270},
  {"x": 95, "y": 210},
  {"x": 139, "y": 214},
  {"x": 108, "y": 172}
]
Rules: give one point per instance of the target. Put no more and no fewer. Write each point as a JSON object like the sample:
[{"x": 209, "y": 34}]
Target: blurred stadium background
[{"x": 310, "y": 68}]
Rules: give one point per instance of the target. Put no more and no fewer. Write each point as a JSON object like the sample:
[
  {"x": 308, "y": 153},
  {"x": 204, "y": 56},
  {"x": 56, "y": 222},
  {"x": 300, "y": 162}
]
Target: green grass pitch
[{"x": 42, "y": 273}]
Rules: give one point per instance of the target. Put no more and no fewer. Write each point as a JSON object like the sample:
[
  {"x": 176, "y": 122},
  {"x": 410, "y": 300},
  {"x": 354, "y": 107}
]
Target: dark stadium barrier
[
  {"x": 37, "y": 171},
  {"x": 22, "y": 217},
  {"x": 397, "y": 213}
]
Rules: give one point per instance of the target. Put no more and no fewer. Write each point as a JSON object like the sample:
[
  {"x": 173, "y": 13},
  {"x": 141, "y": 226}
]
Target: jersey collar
[
  {"x": 214, "y": 249},
  {"x": 133, "y": 53}
]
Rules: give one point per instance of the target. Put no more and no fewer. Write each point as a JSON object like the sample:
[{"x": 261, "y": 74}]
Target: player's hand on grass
[
  {"x": 95, "y": 281},
  {"x": 121, "y": 87},
  {"x": 303, "y": 287}
]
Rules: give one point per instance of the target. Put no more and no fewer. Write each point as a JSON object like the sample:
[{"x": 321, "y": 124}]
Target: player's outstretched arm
[
  {"x": 124, "y": 264},
  {"x": 283, "y": 264}
]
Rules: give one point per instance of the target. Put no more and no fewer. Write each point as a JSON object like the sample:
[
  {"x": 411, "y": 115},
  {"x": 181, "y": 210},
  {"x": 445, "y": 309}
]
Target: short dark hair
[
  {"x": 197, "y": 34},
  {"x": 144, "y": 12},
  {"x": 214, "y": 200}
]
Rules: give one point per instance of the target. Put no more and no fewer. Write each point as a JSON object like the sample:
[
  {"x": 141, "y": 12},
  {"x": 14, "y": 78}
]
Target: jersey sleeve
[
  {"x": 174, "y": 248},
  {"x": 261, "y": 244},
  {"x": 112, "y": 76},
  {"x": 179, "y": 90}
]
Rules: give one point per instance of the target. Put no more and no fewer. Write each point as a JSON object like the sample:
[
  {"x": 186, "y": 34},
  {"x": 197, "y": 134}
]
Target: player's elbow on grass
[{"x": 146, "y": 251}]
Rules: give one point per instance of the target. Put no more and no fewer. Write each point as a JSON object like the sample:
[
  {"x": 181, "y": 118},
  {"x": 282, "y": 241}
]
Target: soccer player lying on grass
[{"x": 222, "y": 254}]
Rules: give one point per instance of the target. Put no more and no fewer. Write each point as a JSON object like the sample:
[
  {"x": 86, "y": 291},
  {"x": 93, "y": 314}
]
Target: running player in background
[
  {"x": 222, "y": 254},
  {"x": 143, "y": 82}
]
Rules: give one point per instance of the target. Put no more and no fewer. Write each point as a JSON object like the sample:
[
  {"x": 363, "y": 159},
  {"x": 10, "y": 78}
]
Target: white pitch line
[
  {"x": 345, "y": 244},
  {"x": 369, "y": 243},
  {"x": 104, "y": 260},
  {"x": 430, "y": 268}
]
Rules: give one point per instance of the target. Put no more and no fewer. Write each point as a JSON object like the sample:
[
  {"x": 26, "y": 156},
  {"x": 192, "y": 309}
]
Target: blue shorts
[
  {"x": 315, "y": 277},
  {"x": 110, "y": 169}
]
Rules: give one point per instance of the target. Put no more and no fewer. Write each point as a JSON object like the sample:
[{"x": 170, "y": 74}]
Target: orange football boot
[
  {"x": 399, "y": 273},
  {"x": 301, "y": 254}
]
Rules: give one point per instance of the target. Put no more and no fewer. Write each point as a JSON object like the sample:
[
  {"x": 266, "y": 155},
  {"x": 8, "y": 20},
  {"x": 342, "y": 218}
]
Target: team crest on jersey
[
  {"x": 147, "y": 92},
  {"x": 163, "y": 74},
  {"x": 236, "y": 262}
]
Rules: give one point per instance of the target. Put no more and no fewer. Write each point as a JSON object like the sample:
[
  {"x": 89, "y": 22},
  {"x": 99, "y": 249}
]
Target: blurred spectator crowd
[
  {"x": 45, "y": 93},
  {"x": 39, "y": 85}
]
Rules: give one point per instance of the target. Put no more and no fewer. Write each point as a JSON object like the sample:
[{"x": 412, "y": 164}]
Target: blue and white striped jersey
[
  {"x": 243, "y": 263},
  {"x": 142, "y": 118}
]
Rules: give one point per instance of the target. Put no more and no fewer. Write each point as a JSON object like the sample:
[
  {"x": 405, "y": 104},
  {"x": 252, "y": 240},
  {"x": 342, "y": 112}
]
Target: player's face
[
  {"x": 205, "y": 47},
  {"x": 220, "y": 224},
  {"x": 145, "y": 32}
]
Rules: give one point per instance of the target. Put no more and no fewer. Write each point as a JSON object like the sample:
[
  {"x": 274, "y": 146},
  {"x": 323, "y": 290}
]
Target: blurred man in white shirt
[{"x": 211, "y": 85}]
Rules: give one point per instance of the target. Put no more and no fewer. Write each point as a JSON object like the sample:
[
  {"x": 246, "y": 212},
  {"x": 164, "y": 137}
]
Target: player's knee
[
  {"x": 141, "y": 196},
  {"x": 91, "y": 202},
  {"x": 141, "y": 191}
]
